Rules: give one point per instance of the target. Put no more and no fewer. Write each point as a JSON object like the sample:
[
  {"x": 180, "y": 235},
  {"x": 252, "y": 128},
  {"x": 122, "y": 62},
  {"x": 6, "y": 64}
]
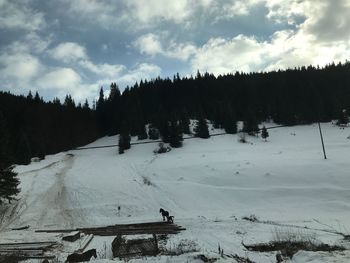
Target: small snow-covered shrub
[
  {"x": 153, "y": 133},
  {"x": 242, "y": 137},
  {"x": 162, "y": 149},
  {"x": 251, "y": 218}
]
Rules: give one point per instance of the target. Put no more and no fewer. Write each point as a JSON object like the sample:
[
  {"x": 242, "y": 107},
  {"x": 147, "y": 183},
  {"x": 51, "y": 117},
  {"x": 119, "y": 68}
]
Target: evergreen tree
[
  {"x": 23, "y": 150},
  {"x": 101, "y": 114},
  {"x": 114, "y": 92},
  {"x": 5, "y": 150},
  {"x": 250, "y": 125},
  {"x": 37, "y": 97},
  {"x": 175, "y": 135},
  {"x": 86, "y": 105},
  {"x": 230, "y": 122},
  {"x": 121, "y": 144},
  {"x": 201, "y": 129},
  {"x": 68, "y": 101},
  {"x": 343, "y": 118},
  {"x": 127, "y": 139},
  {"x": 30, "y": 95},
  {"x": 264, "y": 133},
  {"x": 185, "y": 124},
  {"x": 153, "y": 133},
  {"x": 142, "y": 134},
  {"x": 165, "y": 131},
  {"x": 8, "y": 184}
]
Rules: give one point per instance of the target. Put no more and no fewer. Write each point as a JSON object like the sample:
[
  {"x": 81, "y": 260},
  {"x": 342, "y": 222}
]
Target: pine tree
[
  {"x": 250, "y": 125},
  {"x": 30, "y": 95},
  {"x": 114, "y": 92},
  {"x": 127, "y": 139},
  {"x": 153, "y": 133},
  {"x": 23, "y": 150},
  {"x": 86, "y": 105},
  {"x": 5, "y": 152},
  {"x": 229, "y": 121},
  {"x": 201, "y": 129},
  {"x": 185, "y": 123},
  {"x": 343, "y": 118},
  {"x": 175, "y": 135},
  {"x": 264, "y": 133},
  {"x": 165, "y": 131},
  {"x": 8, "y": 184},
  {"x": 121, "y": 144},
  {"x": 101, "y": 117},
  {"x": 142, "y": 134}
]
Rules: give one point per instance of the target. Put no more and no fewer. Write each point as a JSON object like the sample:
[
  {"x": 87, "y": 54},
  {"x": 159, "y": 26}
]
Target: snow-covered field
[{"x": 208, "y": 185}]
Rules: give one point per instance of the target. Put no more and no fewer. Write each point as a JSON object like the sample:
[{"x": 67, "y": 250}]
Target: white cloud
[
  {"x": 136, "y": 14},
  {"x": 75, "y": 55},
  {"x": 285, "y": 49},
  {"x": 147, "y": 11},
  {"x": 102, "y": 69},
  {"x": 22, "y": 67},
  {"x": 65, "y": 79},
  {"x": 220, "y": 55},
  {"x": 68, "y": 52},
  {"x": 141, "y": 71},
  {"x": 103, "y": 12},
  {"x": 62, "y": 81},
  {"x": 14, "y": 15},
  {"x": 151, "y": 45}
]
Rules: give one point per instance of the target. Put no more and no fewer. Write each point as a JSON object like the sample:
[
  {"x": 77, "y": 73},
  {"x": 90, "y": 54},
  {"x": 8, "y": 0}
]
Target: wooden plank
[
  {"x": 159, "y": 227},
  {"x": 72, "y": 236},
  {"x": 28, "y": 247},
  {"x": 85, "y": 243},
  {"x": 24, "y": 243},
  {"x": 55, "y": 230},
  {"x": 20, "y": 228}
]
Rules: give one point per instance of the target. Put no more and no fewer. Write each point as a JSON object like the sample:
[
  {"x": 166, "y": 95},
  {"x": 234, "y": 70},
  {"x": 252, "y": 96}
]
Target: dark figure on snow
[
  {"x": 165, "y": 214},
  {"x": 82, "y": 257},
  {"x": 171, "y": 219},
  {"x": 279, "y": 258}
]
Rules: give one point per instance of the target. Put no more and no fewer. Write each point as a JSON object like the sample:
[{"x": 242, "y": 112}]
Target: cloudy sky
[{"x": 77, "y": 46}]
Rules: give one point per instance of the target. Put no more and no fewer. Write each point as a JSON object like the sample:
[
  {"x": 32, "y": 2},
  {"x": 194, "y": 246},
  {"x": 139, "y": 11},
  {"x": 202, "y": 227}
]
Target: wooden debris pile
[
  {"x": 127, "y": 247},
  {"x": 135, "y": 229},
  {"x": 159, "y": 228},
  {"x": 27, "y": 250}
]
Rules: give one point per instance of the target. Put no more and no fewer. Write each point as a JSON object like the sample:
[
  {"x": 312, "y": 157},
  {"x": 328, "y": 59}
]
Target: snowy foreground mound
[{"x": 208, "y": 185}]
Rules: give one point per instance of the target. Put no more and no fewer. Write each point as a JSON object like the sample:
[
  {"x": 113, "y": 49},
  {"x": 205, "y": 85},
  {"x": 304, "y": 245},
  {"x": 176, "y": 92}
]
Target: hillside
[{"x": 208, "y": 185}]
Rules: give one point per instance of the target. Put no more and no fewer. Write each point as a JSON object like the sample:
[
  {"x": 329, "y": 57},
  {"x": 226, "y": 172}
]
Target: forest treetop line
[{"x": 30, "y": 126}]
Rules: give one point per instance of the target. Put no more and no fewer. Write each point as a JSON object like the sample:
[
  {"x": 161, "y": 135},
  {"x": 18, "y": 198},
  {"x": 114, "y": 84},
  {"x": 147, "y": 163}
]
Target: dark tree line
[
  {"x": 294, "y": 96},
  {"x": 30, "y": 127}
]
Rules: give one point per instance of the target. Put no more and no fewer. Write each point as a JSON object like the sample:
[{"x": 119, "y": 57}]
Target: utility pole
[{"x": 324, "y": 151}]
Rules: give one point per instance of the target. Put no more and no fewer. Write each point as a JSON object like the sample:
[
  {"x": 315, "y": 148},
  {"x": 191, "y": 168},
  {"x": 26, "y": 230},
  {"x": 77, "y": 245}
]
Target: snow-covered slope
[{"x": 208, "y": 185}]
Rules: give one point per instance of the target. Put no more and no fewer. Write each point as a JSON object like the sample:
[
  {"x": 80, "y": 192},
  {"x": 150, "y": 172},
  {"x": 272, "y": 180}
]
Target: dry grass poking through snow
[{"x": 289, "y": 242}]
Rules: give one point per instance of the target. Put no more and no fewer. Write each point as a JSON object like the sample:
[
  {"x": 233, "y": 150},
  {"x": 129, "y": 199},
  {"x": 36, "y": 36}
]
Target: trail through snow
[{"x": 49, "y": 185}]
